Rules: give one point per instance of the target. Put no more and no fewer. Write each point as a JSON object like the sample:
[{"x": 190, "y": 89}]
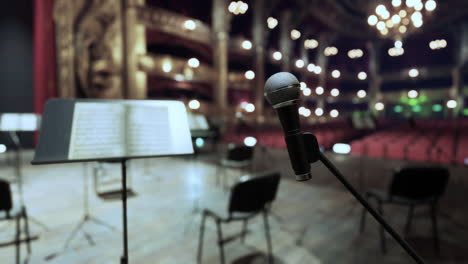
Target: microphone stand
[{"x": 314, "y": 155}]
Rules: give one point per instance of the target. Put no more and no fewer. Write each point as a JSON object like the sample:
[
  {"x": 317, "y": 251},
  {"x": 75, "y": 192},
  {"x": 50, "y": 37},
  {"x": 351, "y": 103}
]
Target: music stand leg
[{"x": 124, "y": 257}]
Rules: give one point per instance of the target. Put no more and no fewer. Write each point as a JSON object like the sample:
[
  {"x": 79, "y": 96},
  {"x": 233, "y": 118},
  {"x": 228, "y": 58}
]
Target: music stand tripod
[
  {"x": 85, "y": 218},
  {"x": 19, "y": 176}
]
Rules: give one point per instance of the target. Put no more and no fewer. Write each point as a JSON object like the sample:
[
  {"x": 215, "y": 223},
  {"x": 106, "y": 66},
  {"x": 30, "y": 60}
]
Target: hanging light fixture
[{"x": 400, "y": 18}]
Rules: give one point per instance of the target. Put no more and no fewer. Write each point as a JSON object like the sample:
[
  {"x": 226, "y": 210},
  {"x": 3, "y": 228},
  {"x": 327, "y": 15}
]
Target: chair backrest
[
  {"x": 420, "y": 183},
  {"x": 239, "y": 152},
  {"x": 255, "y": 193},
  {"x": 6, "y": 202}
]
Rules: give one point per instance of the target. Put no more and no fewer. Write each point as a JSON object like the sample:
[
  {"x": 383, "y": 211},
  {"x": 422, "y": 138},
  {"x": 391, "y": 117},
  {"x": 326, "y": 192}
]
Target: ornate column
[
  {"x": 460, "y": 58},
  {"x": 220, "y": 26},
  {"x": 259, "y": 47},
  {"x": 134, "y": 46},
  {"x": 285, "y": 40},
  {"x": 375, "y": 80}
]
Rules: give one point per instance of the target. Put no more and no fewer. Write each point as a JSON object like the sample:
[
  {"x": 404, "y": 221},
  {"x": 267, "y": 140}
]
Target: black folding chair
[
  {"x": 237, "y": 157},
  {"x": 248, "y": 198},
  {"x": 412, "y": 186},
  {"x": 8, "y": 212}
]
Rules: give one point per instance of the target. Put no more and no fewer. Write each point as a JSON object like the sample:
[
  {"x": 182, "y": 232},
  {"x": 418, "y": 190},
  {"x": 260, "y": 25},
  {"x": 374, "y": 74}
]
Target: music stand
[
  {"x": 115, "y": 131},
  {"x": 12, "y": 123}
]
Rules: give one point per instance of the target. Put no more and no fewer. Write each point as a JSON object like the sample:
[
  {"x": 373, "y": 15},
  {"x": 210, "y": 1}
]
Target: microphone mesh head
[{"x": 282, "y": 87}]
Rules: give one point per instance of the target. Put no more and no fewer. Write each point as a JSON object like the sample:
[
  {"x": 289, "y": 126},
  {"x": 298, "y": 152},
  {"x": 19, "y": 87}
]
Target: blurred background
[{"x": 383, "y": 90}]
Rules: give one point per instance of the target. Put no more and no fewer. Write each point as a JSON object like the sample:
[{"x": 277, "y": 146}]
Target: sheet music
[
  {"x": 148, "y": 130},
  {"x": 98, "y": 130}
]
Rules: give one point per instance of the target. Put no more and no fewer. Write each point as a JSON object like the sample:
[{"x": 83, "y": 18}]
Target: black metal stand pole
[
  {"x": 124, "y": 258},
  {"x": 369, "y": 208}
]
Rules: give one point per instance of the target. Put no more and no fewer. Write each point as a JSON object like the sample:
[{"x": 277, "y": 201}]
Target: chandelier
[{"x": 401, "y": 17}]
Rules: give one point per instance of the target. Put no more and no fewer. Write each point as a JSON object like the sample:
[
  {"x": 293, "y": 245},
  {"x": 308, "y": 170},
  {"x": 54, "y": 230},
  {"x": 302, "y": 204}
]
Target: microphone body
[
  {"x": 289, "y": 118},
  {"x": 282, "y": 91}
]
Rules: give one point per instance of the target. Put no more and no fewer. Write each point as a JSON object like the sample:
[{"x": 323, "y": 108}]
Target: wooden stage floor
[{"x": 314, "y": 222}]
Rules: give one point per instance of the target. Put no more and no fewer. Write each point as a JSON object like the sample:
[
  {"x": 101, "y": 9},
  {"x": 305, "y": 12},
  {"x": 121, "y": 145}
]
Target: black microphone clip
[{"x": 312, "y": 147}]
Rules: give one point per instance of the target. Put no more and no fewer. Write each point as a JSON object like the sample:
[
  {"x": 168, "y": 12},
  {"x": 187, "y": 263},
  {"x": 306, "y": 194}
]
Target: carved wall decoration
[{"x": 89, "y": 48}]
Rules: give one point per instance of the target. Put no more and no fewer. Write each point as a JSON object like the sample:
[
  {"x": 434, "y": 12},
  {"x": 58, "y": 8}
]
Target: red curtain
[{"x": 44, "y": 68}]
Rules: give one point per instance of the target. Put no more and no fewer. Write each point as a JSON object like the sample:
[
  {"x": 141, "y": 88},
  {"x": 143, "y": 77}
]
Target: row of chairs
[{"x": 404, "y": 143}]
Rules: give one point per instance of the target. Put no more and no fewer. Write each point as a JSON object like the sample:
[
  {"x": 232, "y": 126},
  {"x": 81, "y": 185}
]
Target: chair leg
[
  {"x": 244, "y": 230},
  {"x": 17, "y": 240},
  {"x": 200, "y": 238},
  {"x": 363, "y": 218},
  {"x": 435, "y": 229},
  {"x": 220, "y": 241},
  {"x": 26, "y": 228},
  {"x": 382, "y": 231},
  {"x": 409, "y": 219},
  {"x": 268, "y": 237}
]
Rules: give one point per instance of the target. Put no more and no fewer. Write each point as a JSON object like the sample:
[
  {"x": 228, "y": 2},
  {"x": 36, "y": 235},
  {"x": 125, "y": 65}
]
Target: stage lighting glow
[
  {"x": 362, "y": 75},
  {"x": 190, "y": 24},
  {"x": 194, "y": 104},
  {"x": 341, "y": 148},
  {"x": 416, "y": 108},
  {"x": 431, "y": 5},
  {"x": 303, "y": 85},
  {"x": 3, "y": 148},
  {"x": 319, "y": 90},
  {"x": 246, "y": 44},
  {"x": 317, "y": 69},
  {"x": 166, "y": 66},
  {"x": 310, "y": 67},
  {"x": 272, "y": 22},
  {"x": 249, "y": 108},
  {"x": 355, "y": 53},
  {"x": 402, "y": 13},
  {"x": 307, "y": 91},
  {"x": 334, "y": 113},
  {"x": 452, "y": 104},
  {"x": 438, "y": 44},
  {"x": 306, "y": 112},
  {"x": 249, "y": 75},
  {"x": 250, "y": 141},
  {"x": 361, "y": 93},
  {"x": 372, "y": 20},
  {"x": 193, "y": 62},
  {"x": 379, "y": 106},
  {"x": 396, "y": 3},
  {"x": 311, "y": 43},
  {"x": 396, "y": 19},
  {"x": 335, "y": 92},
  {"x": 465, "y": 112},
  {"x": 330, "y": 51},
  {"x": 299, "y": 63},
  {"x": 380, "y": 9},
  {"x": 398, "y": 109},
  {"x": 396, "y": 51},
  {"x": 413, "y": 73},
  {"x": 295, "y": 34},
  {"x": 199, "y": 142},
  {"x": 437, "y": 108},
  {"x": 402, "y": 29},
  {"x": 336, "y": 74},
  {"x": 277, "y": 55},
  {"x": 238, "y": 7},
  {"x": 398, "y": 44},
  {"x": 319, "y": 112},
  {"x": 413, "y": 94},
  {"x": 381, "y": 25}
]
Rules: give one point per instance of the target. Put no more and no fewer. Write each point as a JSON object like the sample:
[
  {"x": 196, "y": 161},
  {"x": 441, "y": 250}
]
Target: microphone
[{"x": 282, "y": 91}]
